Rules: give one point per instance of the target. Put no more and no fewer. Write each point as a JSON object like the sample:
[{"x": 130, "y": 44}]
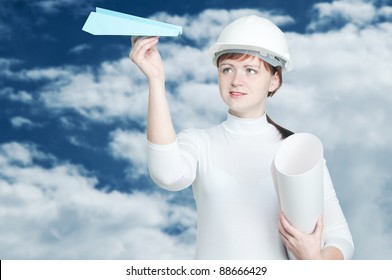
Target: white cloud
[
  {"x": 130, "y": 146},
  {"x": 6, "y": 65},
  {"x": 80, "y": 49},
  {"x": 51, "y": 73},
  {"x": 21, "y": 122},
  {"x": 115, "y": 92},
  {"x": 18, "y": 96},
  {"x": 363, "y": 185},
  {"x": 197, "y": 105},
  {"x": 56, "y": 213},
  {"x": 13, "y": 152},
  {"x": 370, "y": 210},
  {"x": 21, "y": 96},
  {"x": 186, "y": 63},
  {"x": 357, "y": 12},
  {"x": 55, "y": 6},
  {"x": 386, "y": 12}
]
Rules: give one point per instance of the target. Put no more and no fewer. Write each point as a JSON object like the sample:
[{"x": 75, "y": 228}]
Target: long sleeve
[
  {"x": 336, "y": 230},
  {"x": 173, "y": 166}
]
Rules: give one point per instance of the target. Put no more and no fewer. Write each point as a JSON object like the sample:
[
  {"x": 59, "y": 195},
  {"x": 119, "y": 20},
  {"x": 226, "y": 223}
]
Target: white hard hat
[{"x": 256, "y": 36}]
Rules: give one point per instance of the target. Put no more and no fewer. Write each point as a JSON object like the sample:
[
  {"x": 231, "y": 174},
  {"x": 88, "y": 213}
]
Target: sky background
[{"x": 73, "y": 176}]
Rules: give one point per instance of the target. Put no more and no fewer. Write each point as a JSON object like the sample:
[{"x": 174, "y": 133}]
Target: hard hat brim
[{"x": 218, "y": 49}]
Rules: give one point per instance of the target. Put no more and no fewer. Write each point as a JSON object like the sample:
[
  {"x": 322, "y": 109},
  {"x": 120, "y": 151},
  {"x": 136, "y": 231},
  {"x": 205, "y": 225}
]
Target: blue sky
[{"x": 73, "y": 177}]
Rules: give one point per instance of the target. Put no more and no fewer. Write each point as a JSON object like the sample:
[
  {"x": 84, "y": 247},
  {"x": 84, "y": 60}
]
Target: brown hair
[{"x": 274, "y": 71}]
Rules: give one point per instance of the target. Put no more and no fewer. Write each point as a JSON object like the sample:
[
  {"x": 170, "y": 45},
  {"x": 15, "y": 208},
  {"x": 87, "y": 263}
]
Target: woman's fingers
[
  {"x": 286, "y": 226},
  {"x": 303, "y": 246},
  {"x": 143, "y": 43},
  {"x": 146, "y": 56},
  {"x": 139, "y": 46},
  {"x": 287, "y": 231}
]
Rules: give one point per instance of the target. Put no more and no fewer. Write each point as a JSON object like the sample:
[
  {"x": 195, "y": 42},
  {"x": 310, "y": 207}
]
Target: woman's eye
[
  {"x": 227, "y": 70},
  {"x": 251, "y": 71}
]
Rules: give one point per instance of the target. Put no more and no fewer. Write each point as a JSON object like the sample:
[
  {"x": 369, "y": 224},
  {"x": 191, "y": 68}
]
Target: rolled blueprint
[{"x": 297, "y": 171}]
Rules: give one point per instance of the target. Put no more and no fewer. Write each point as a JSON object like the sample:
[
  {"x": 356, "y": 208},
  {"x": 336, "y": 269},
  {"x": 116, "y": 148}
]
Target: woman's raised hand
[{"x": 146, "y": 56}]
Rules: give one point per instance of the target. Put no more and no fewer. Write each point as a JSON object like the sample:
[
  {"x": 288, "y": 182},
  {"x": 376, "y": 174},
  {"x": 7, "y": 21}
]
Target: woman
[{"x": 228, "y": 165}]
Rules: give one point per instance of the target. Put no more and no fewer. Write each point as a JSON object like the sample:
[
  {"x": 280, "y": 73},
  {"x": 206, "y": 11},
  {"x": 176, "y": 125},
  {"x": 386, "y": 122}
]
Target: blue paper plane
[{"x": 107, "y": 22}]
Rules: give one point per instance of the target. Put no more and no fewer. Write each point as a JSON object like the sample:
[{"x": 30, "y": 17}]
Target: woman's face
[{"x": 244, "y": 85}]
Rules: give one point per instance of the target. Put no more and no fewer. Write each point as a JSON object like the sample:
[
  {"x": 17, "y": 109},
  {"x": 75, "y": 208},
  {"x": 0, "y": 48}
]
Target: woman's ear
[{"x": 275, "y": 82}]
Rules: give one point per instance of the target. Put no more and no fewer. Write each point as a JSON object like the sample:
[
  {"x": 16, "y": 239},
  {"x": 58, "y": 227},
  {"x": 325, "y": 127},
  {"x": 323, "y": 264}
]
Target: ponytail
[{"x": 283, "y": 131}]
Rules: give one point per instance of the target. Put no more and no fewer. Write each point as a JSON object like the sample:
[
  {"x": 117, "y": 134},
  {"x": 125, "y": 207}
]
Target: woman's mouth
[{"x": 236, "y": 94}]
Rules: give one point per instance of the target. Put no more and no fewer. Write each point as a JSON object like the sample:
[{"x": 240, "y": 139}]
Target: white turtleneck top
[{"x": 229, "y": 168}]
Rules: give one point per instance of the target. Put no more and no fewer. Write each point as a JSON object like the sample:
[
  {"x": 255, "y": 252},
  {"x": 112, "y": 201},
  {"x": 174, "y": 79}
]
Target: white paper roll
[{"x": 298, "y": 176}]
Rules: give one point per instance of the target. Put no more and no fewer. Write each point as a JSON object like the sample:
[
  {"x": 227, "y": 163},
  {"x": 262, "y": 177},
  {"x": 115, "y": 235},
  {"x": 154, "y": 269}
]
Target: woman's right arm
[
  {"x": 146, "y": 56},
  {"x": 170, "y": 167}
]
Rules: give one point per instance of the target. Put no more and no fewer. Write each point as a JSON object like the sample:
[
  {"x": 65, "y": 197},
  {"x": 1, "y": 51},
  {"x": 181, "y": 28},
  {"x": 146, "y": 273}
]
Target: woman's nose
[{"x": 237, "y": 78}]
